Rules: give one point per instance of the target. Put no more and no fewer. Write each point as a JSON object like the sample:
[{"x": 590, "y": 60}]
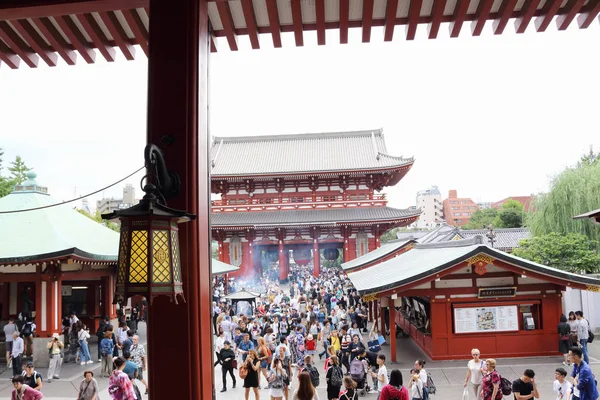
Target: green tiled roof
[{"x": 49, "y": 232}]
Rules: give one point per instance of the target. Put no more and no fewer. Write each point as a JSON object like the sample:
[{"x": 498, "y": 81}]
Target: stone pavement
[
  {"x": 67, "y": 387},
  {"x": 448, "y": 376}
]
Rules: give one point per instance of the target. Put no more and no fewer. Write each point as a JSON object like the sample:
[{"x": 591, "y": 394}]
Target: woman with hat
[{"x": 88, "y": 388}]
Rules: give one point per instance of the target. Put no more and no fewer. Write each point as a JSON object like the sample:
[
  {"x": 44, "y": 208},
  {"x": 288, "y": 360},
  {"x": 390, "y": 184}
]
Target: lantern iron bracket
[{"x": 167, "y": 181}]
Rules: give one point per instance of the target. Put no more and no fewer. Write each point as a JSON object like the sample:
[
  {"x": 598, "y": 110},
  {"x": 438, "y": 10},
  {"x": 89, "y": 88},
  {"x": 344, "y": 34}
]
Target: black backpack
[
  {"x": 431, "y": 389},
  {"x": 336, "y": 376},
  {"x": 314, "y": 375},
  {"x": 27, "y": 330},
  {"x": 505, "y": 386}
]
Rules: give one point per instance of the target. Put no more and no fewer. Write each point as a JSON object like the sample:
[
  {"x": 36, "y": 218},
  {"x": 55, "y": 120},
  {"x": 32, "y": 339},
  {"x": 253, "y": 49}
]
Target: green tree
[
  {"x": 98, "y": 218},
  {"x": 1, "y": 159},
  {"x": 510, "y": 215},
  {"x": 389, "y": 235},
  {"x": 573, "y": 252},
  {"x": 589, "y": 158},
  {"x": 6, "y": 186},
  {"x": 481, "y": 219},
  {"x": 18, "y": 170},
  {"x": 573, "y": 192}
]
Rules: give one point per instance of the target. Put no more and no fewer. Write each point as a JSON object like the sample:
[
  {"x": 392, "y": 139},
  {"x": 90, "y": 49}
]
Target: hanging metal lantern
[
  {"x": 302, "y": 256},
  {"x": 331, "y": 254},
  {"x": 149, "y": 262},
  {"x": 272, "y": 256}
]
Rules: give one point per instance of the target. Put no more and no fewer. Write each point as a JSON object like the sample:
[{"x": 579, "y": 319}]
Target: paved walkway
[
  {"x": 67, "y": 387},
  {"x": 448, "y": 376}
]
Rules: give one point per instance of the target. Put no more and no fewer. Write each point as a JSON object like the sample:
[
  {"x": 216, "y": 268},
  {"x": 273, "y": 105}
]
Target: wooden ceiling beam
[
  {"x": 437, "y": 13},
  {"x": 585, "y": 19},
  {"x": 17, "y": 45},
  {"x": 228, "y": 25},
  {"x": 251, "y": 25},
  {"x": 459, "y": 16},
  {"x": 26, "y": 30},
  {"x": 137, "y": 27},
  {"x": 55, "y": 39},
  {"x": 274, "y": 22},
  {"x": 548, "y": 12},
  {"x": 9, "y": 58},
  {"x": 297, "y": 22},
  {"x": 414, "y": 12},
  {"x": 119, "y": 36},
  {"x": 390, "y": 20},
  {"x": 76, "y": 38},
  {"x": 527, "y": 13},
  {"x": 320, "y": 15},
  {"x": 572, "y": 8},
  {"x": 481, "y": 16},
  {"x": 505, "y": 12},
  {"x": 344, "y": 20},
  {"x": 100, "y": 42},
  {"x": 367, "y": 20},
  {"x": 15, "y": 9}
]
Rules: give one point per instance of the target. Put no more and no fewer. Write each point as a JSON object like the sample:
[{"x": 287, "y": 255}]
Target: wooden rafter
[
  {"x": 100, "y": 42},
  {"x": 137, "y": 27},
  {"x": 437, "y": 13},
  {"x": 344, "y": 19},
  {"x": 481, "y": 16},
  {"x": 213, "y": 44},
  {"x": 572, "y": 8},
  {"x": 460, "y": 14},
  {"x": 527, "y": 13},
  {"x": 367, "y": 20},
  {"x": 66, "y": 24},
  {"x": 506, "y": 10},
  {"x": 26, "y": 30},
  {"x": 548, "y": 12},
  {"x": 7, "y": 57},
  {"x": 585, "y": 19},
  {"x": 320, "y": 14},
  {"x": 390, "y": 20},
  {"x": 119, "y": 36},
  {"x": 17, "y": 45},
  {"x": 56, "y": 40},
  {"x": 274, "y": 22},
  {"x": 251, "y": 25},
  {"x": 228, "y": 25},
  {"x": 414, "y": 12}
]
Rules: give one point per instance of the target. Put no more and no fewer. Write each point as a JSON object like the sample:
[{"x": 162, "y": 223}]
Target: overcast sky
[{"x": 492, "y": 116}]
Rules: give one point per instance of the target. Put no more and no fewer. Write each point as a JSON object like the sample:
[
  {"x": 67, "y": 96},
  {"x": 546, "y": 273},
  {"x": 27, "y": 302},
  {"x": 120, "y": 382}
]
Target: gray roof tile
[
  {"x": 304, "y": 153},
  {"x": 308, "y": 217},
  {"x": 385, "y": 250}
]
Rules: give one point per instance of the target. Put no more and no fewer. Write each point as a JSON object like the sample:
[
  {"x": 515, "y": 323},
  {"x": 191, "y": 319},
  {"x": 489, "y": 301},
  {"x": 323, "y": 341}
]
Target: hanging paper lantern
[
  {"x": 331, "y": 254},
  {"x": 302, "y": 256}
]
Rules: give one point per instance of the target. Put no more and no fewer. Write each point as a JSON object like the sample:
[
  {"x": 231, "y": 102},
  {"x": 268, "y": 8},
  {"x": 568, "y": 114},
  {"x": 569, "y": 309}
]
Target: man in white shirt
[
  {"x": 17, "y": 352},
  {"x": 381, "y": 376},
  {"x": 561, "y": 386}
]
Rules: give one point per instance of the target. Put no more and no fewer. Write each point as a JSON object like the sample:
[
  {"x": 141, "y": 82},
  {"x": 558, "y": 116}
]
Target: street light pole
[{"x": 491, "y": 235}]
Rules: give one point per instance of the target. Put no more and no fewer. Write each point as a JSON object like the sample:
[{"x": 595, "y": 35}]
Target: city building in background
[
  {"x": 458, "y": 210},
  {"x": 429, "y": 201},
  {"x": 484, "y": 205},
  {"x": 106, "y": 206}
]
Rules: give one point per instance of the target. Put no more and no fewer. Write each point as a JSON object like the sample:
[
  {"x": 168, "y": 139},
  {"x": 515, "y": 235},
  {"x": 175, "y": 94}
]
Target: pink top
[
  {"x": 27, "y": 393},
  {"x": 120, "y": 387}
]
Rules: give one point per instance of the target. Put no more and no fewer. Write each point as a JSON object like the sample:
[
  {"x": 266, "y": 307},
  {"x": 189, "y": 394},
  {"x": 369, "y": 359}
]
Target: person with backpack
[
  {"x": 475, "y": 371},
  {"x": 27, "y": 335},
  {"x": 306, "y": 390},
  {"x": 394, "y": 389},
  {"x": 525, "y": 387},
  {"x": 349, "y": 392},
  {"x": 334, "y": 378},
  {"x": 583, "y": 334},
  {"x": 120, "y": 386},
  {"x": 420, "y": 366},
  {"x": 31, "y": 377},
  {"x": 416, "y": 385},
  {"x": 312, "y": 371},
  {"x": 490, "y": 386},
  {"x": 100, "y": 334},
  {"x": 106, "y": 350}
]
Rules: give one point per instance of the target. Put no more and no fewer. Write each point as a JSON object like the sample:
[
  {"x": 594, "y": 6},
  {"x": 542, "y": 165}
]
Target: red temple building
[{"x": 293, "y": 198}]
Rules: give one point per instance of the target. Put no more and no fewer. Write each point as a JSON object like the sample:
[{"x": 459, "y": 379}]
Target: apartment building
[
  {"x": 458, "y": 210},
  {"x": 429, "y": 201}
]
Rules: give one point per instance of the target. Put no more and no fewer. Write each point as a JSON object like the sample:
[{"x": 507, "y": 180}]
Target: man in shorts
[
  {"x": 138, "y": 355},
  {"x": 9, "y": 330}
]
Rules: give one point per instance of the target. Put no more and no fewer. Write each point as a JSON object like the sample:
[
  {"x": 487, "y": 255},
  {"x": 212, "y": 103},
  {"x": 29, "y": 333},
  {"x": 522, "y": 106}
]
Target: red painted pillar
[
  {"x": 316, "y": 259},
  {"x": 382, "y": 322},
  {"x": 370, "y": 311},
  {"x": 178, "y": 106},
  {"x": 375, "y": 312},
  {"x": 284, "y": 268},
  {"x": 392, "y": 330}
]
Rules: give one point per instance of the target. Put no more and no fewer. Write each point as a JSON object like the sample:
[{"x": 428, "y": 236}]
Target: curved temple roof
[
  {"x": 50, "y": 232},
  {"x": 308, "y": 217},
  {"x": 426, "y": 260},
  {"x": 335, "y": 152}
]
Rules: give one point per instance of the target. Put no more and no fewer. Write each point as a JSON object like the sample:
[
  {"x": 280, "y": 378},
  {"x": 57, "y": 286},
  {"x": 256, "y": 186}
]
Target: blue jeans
[
  {"x": 84, "y": 352},
  {"x": 584, "y": 349}
]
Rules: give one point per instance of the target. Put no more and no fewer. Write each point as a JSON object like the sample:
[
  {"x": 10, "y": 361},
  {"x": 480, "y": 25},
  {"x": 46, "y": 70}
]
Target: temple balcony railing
[{"x": 276, "y": 204}]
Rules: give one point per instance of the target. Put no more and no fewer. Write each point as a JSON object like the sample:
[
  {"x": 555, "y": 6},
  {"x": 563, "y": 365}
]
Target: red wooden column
[
  {"x": 370, "y": 311},
  {"x": 392, "y": 308},
  {"x": 382, "y": 318},
  {"x": 376, "y": 312},
  {"x": 177, "y": 106},
  {"x": 316, "y": 258},
  {"x": 284, "y": 268}
]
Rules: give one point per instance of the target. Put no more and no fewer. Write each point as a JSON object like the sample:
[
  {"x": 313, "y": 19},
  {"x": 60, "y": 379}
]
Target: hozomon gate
[
  {"x": 310, "y": 193},
  {"x": 176, "y": 38}
]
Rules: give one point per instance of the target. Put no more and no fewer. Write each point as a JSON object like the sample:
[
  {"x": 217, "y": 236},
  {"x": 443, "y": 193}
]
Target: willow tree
[{"x": 574, "y": 191}]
